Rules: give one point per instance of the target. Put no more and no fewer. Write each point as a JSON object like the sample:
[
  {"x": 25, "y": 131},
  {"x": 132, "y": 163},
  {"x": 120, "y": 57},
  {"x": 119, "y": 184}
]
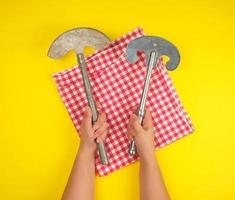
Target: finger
[
  {"x": 102, "y": 136},
  {"x": 101, "y": 129},
  {"x": 130, "y": 133},
  {"x": 100, "y": 121},
  {"x": 147, "y": 121},
  {"x": 135, "y": 124}
]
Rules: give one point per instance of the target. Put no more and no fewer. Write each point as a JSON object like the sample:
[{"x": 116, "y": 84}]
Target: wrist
[
  {"x": 85, "y": 157},
  {"x": 86, "y": 149},
  {"x": 148, "y": 157}
]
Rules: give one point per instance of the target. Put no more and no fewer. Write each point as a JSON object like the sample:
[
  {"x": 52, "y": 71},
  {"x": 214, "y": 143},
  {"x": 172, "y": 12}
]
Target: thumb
[{"x": 147, "y": 121}]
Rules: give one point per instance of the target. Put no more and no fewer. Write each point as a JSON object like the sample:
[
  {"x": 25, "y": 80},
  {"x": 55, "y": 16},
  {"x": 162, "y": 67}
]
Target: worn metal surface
[
  {"x": 76, "y": 39},
  {"x": 147, "y": 44}
]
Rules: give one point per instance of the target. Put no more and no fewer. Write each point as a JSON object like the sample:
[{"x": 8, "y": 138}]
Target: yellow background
[{"x": 37, "y": 139}]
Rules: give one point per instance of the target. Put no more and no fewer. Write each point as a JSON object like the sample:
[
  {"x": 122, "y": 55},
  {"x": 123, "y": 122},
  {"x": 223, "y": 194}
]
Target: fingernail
[{"x": 133, "y": 116}]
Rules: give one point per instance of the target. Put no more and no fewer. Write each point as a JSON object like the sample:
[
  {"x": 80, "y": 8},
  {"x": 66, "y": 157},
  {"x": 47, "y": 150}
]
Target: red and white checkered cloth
[{"x": 118, "y": 85}]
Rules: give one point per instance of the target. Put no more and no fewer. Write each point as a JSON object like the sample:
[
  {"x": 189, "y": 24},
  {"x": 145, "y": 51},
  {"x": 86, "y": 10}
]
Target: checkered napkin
[{"x": 118, "y": 85}]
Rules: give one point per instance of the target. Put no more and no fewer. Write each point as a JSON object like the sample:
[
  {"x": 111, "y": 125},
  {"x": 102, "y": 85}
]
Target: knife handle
[{"x": 91, "y": 102}]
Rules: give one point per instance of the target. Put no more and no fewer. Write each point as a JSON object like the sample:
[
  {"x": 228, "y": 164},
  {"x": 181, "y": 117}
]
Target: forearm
[
  {"x": 152, "y": 186},
  {"x": 80, "y": 185}
]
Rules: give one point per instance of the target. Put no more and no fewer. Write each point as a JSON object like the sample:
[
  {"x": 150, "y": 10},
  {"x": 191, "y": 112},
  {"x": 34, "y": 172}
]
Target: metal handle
[
  {"x": 132, "y": 149},
  {"x": 141, "y": 109},
  {"x": 91, "y": 102}
]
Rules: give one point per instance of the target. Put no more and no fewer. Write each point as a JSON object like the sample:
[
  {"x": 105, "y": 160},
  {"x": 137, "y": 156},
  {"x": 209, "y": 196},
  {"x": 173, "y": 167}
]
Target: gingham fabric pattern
[{"x": 118, "y": 85}]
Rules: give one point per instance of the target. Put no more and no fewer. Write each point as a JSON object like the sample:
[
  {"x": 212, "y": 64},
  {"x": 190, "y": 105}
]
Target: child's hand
[
  {"x": 90, "y": 133},
  {"x": 143, "y": 135}
]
